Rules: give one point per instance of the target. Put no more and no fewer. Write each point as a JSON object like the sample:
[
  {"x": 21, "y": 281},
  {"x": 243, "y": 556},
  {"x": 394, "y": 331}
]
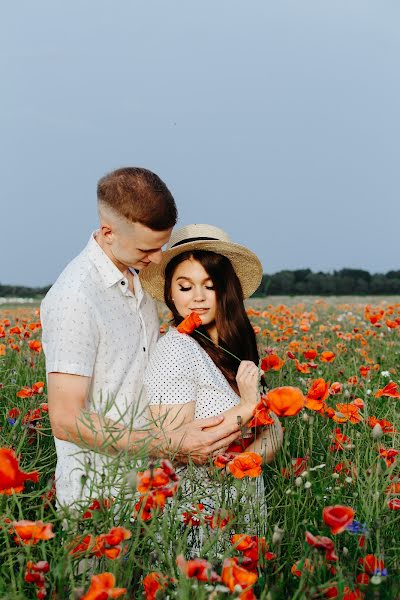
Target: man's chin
[{"x": 140, "y": 265}]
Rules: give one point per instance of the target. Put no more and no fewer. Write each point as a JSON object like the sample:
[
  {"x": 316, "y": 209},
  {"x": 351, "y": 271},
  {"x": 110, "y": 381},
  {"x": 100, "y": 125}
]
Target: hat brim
[{"x": 246, "y": 264}]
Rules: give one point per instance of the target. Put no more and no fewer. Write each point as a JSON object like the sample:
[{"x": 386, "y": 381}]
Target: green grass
[{"x": 293, "y": 504}]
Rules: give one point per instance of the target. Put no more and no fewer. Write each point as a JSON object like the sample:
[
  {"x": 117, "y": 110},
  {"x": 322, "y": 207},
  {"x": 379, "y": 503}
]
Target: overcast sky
[{"x": 278, "y": 121}]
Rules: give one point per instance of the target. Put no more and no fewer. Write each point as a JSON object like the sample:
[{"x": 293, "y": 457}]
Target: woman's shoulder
[{"x": 173, "y": 341}]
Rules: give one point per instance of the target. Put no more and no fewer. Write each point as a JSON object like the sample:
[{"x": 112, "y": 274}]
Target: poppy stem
[{"x": 217, "y": 345}]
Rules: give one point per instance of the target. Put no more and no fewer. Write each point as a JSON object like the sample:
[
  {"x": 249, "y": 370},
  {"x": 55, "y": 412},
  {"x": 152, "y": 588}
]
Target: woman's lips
[{"x": 199, "y": 310}]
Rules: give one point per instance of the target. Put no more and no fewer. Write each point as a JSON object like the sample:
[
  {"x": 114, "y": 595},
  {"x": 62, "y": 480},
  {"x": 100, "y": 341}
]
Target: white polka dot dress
[{"x": 180, "y": 371}]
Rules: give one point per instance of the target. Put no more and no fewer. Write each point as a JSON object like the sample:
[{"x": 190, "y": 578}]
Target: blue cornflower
[
  {"x": 11, "y": 421},
  {"x": 357, "y": 528},
  {"x": 381, "y": 572}
]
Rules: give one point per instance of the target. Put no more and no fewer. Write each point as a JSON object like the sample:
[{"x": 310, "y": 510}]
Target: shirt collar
[{"x": 108, "y": 272}]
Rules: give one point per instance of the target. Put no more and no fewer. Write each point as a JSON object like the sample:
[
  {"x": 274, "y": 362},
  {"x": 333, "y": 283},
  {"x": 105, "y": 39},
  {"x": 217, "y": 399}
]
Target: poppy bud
[{"x": 377, "y": 432}]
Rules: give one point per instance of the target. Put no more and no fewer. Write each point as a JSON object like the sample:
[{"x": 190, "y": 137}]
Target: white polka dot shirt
[
  {"x": 180, "y": 371},
  {"x": 94, "y": 326}
]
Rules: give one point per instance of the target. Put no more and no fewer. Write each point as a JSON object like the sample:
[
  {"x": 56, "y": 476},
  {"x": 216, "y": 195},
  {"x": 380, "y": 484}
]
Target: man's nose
[{"x": 155, "y": 257}]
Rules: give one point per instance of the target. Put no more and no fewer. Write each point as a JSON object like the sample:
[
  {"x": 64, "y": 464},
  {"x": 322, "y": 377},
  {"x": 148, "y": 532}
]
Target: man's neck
[{"x": 121, "y": 267}]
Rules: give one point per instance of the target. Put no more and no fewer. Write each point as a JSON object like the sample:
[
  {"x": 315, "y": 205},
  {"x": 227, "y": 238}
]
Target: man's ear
[{"x": 106, "y": 232}]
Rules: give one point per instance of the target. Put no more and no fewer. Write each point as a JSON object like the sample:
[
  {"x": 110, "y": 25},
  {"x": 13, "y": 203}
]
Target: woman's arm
[
  {"x": 268, "y": 441},
  {"x": 168, "y": 417}
]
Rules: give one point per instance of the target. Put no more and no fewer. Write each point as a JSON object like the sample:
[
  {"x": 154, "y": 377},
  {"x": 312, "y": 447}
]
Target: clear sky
[{"x": 277, "y": 120}]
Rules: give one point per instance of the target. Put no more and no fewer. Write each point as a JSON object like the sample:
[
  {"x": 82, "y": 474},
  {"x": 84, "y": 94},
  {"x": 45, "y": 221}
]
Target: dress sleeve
[{"x": 171, "y": 375}]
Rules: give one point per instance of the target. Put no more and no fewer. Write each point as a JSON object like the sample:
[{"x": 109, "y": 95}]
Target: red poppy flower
[
  {"x": 31, "y": 532},
  {"x": 285, "y": 401},
  {"x": 338, "y": 517},
  {"x": 190, "y": 323},
  {"x": 336, "y": 388},
  {"x": 198, "y": 568},
  {"x": 83, "y": 546},
  {"x": 310, "y": 354},
  {"x": 261, "y": 416},
  {"x": 359, "y": 402},
  {"x": 102, "y": 587},
  {"x": 387, "y": 426},
  {"x": 153, "y": 583},
  {"x": 348, "y": 594},
  {"x": 371, "y": 563},
  {"x": 25, "y": 392},
  {"x": 219, "y": 519},
  {"x": 246, "y": 464},
  {"x": 340, "y": 441},
  {"x": 317, "y": 394},
  {"x": 389, "y": 390},
  {"x": 192, "y": 518},
  {"x": 388, "y": 454},
  {"x": 222, "y": 460},
  {"x": 236, "y": 577},
  {"x": 12, "y": 479},
  {"x": 394, "y": 504},
  {"x": 302, "y": 367},
  {"x": 347, "y": 412},
  {"x": 322, "y": 543},
  {"x": 252, "y": 547},
  {"x": 38, "y": 387},
  {"x": 35, "y": 346},
  {"x": 304, "y": 564},
  {"x": 298, "y": 466},
  {"x": 272, "y": 362},
  {"x": 327, "y": 356}
]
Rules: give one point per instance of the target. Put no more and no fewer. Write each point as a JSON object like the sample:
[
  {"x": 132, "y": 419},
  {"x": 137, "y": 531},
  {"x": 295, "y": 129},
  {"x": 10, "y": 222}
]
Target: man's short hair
[{"x": 140, "y": 196}]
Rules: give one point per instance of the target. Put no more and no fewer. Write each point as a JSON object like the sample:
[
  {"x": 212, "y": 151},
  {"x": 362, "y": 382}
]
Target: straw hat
[{"x": 204, "y": 237}]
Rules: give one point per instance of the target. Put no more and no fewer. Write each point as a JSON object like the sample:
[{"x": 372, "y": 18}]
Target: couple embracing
[{"x": 182, "y": 394}]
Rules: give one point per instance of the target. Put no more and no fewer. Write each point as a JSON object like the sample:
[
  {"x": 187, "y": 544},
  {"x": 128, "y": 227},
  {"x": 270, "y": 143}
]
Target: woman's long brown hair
[{"x": 235, "y": 332}]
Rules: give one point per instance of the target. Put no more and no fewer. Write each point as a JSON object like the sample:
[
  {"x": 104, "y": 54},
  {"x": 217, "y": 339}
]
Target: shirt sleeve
[
  {"x": 171, "y": 374},
  {"x": 70, "y": 334}
]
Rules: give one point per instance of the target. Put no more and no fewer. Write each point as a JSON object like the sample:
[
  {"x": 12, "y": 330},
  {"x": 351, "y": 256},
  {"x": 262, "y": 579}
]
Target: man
[{"x": 99, "y": 328}]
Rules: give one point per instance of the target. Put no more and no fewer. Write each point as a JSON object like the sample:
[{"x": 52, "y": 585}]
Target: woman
[{"x": 215, "y": 369}]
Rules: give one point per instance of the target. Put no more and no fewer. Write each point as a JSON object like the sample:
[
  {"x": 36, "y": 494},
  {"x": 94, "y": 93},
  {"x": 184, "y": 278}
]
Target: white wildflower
[{"x": 307, "y": 485}]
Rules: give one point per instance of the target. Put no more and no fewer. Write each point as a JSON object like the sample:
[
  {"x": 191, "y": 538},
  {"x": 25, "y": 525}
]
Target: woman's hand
[{"x": 247, "y": 378}]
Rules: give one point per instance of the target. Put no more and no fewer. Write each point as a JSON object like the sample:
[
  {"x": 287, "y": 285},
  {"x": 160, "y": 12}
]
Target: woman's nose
[{"x": 199, "y": 295}]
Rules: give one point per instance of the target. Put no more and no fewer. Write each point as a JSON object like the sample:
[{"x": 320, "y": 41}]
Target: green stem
[{"x": 217, "y": 345}]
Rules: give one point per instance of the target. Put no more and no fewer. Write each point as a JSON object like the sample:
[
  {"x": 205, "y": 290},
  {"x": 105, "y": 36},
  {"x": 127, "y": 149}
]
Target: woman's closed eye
[{"x": 187, "y": 289}]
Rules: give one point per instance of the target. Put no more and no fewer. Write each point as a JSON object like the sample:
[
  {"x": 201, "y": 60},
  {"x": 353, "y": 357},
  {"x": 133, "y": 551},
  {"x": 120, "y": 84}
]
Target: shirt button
[
  {"x": 122, "y": 282},
  {"x": 144, "y": 349}
]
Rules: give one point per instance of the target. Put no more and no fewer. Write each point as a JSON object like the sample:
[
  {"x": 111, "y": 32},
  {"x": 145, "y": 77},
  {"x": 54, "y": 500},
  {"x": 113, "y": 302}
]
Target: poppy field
[{"x": 321, "y": 520}]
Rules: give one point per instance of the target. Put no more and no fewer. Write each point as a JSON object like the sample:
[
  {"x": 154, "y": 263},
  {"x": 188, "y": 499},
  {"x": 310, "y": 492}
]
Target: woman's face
[{"x": 192, "y": 290}]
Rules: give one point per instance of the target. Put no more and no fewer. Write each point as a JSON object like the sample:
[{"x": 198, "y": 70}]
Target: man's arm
[{"x": 70, "y": 421}]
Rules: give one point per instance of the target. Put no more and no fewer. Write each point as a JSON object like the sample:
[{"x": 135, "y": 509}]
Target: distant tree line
[
  {"x": 22, "y": 291},
  {"x": 299, "y": 282},
  {"x": 343, "y": 282}
]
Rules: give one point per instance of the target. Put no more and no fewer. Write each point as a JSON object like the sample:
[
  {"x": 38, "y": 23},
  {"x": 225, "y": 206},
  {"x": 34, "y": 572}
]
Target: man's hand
[{"x": 195, "y": 440}]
